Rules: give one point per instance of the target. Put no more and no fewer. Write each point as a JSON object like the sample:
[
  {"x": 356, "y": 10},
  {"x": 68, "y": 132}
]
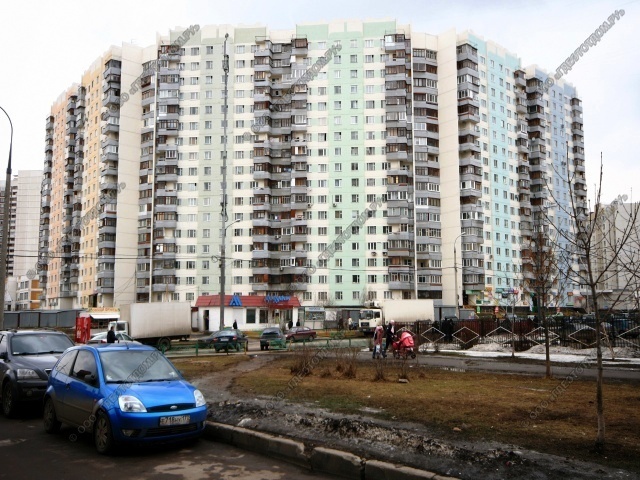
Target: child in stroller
[{"x": 403, "y": 346}]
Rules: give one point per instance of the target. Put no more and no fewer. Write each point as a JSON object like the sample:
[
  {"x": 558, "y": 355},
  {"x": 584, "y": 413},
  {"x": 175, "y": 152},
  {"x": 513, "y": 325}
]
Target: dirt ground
[{"x": 402, "y": 443}]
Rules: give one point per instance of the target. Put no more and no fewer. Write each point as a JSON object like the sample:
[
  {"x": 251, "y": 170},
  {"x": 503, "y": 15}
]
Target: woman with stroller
[{"x": 403, "y": 346}]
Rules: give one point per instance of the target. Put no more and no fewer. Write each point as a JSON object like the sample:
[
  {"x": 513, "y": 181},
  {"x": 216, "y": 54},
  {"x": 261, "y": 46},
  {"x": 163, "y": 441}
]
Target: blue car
[{"x": 123, "y": 394}]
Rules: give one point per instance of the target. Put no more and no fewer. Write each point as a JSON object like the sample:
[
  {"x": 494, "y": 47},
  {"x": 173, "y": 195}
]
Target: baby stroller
[{"x": 403, "y": 346}]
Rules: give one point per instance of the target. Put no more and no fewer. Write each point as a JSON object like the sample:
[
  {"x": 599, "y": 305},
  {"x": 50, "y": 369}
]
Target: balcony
[
  {"x": 110, "y": 128},
  {"x": 576, "y": 128},
  {"x": 111, "y": 98},
  {"x": 111, "y": 70},
  {"x": 401, "y": 285}
]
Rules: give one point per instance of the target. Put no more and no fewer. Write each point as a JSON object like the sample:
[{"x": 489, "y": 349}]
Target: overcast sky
[{"x": 49, "y": 44}]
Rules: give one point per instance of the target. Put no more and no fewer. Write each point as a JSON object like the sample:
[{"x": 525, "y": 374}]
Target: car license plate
[
  {"x": 177, "y": 420},
  {"x": 224, "y": 339}
]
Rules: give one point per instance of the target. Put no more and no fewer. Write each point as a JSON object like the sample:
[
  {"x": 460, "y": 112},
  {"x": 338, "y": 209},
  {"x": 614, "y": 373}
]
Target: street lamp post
[
  {"x": 223, "y": 261},
  {"x": 455, "y": 270},
  {"x": 5, "y": 226},
  {"x": 223, "y": 201}
]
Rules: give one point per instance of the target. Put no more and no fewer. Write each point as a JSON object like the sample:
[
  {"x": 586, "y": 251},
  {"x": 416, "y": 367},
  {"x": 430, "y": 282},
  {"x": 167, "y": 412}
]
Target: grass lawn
[
  {"x": 197, "y": 367},
  {"x": 513, "y": 409}
]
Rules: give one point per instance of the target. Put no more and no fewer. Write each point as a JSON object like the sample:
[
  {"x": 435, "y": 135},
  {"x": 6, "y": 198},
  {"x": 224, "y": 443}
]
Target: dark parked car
[
  {"x": 26, "y": 360},
  {"x": 625, "y": 327},
  {"x": 102, "y": 338},
  {"x": 123, "y": 393},
  {"x": 301, "y": 333},
  {"x": 581, "y": 333},
  {"x": 227, "y": 339},
  {"x": 273, "y": 337}
]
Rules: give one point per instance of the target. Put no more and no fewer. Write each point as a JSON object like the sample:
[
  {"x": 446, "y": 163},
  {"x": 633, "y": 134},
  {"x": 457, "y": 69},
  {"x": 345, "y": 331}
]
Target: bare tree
[
  {"x": 590, "y": 251},
  {"x": 540, "y": 276}
]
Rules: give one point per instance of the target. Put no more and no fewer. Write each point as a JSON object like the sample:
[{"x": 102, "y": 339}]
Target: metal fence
[{"x": 522, "y": 334}]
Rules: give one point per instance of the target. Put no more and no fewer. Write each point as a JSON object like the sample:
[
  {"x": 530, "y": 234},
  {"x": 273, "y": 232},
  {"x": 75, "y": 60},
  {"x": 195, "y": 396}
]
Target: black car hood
[{"x": 35, "y": 362}]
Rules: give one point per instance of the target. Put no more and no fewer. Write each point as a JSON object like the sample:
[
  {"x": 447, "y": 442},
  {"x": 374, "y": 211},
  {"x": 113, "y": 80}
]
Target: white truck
[
  {"x": 155, "y": 323},
  {"x": 379, "y": 313}
]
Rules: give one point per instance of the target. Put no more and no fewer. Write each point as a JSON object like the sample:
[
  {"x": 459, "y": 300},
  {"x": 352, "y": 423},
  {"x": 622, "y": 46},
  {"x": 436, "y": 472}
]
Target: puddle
[
  {"x": 371, "y": 410},
  {"x": 451, "y": 369}
]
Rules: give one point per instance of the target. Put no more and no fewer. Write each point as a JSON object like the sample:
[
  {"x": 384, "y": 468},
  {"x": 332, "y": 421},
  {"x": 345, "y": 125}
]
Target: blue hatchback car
[{"x": 122, "y": 393}]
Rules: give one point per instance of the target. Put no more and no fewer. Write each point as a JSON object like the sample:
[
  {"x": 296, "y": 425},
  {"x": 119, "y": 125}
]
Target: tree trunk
[
  {"x": 545, "y": 323},
  {"x": 599, "y": 446}
]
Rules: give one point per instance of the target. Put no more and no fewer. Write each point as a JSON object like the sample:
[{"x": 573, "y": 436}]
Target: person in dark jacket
[
  {"x": 111, "y": 336},
  {"x": 390, "y": 332},
  {"x": 447, "y": 328}
]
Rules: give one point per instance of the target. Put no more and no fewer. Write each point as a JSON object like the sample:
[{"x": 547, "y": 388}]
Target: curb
[
  {"x": 269, "y": 445},
  {"x": 318, "y": 459}
]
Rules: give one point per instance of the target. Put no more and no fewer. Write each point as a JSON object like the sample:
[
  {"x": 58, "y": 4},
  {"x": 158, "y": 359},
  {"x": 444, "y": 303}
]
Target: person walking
[
  {"x": 390, "y": 333},
  {"x": 378, "y": 336},
  {"x": 111, "y": 336},
  {"x": 448, "y": 330},
  {"x": 235, "y": 325}
]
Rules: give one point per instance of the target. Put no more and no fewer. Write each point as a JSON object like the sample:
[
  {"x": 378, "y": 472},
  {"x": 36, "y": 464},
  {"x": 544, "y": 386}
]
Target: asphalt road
[{"x": 27, "y": 452}]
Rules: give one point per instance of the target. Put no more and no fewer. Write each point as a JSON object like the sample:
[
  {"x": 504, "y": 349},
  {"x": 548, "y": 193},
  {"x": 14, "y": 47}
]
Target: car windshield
[
  {"x": 136, "y": 366},
  {"x": 37, "y": 343},
  {"x": 271, "y": 331}
]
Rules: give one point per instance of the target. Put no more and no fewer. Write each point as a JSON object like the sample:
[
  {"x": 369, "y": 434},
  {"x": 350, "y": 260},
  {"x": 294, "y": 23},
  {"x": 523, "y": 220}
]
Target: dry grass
[
  {"x": 380, "y": 365},
  {"x": 196, "y": 367},
  {"x": 483, "y": 405},
  {"x": 302, "y": 361}
]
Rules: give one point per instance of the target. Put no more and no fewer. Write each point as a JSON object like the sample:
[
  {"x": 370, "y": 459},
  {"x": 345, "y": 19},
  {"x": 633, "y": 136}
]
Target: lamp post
[
  {"x": 223, "y": 261},
  {"x": 5, "y": 226},
  {"x": 455, "y": 270},
  {"x": 223, "y": 201}
]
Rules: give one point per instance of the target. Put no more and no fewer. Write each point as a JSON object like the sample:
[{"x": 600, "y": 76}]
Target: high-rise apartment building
[
  {"x": 22, "y": 247},
  {"x": 365, "y": 161}
]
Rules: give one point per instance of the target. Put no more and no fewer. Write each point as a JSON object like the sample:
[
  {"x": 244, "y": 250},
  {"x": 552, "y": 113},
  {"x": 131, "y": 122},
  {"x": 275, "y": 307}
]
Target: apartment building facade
[
  {"x": 22, "y": 247},
  {"x": 365, "y": 161}
]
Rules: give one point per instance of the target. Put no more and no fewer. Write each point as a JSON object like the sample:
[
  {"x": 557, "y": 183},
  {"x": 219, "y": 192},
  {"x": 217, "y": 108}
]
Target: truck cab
[
  {"x": 369, "y": 319},
  {"x": 120, "y": 326}
]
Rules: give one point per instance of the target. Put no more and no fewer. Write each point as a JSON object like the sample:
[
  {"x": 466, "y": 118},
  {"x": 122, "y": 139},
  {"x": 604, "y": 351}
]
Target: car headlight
[
  {"x": 129, "y": 403},
  {"x": 200, "y": 402},
  {"x": 26, "y": 374}
]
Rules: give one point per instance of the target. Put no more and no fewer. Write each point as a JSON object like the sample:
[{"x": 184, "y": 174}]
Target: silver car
[{"x": 120, "y": 337}]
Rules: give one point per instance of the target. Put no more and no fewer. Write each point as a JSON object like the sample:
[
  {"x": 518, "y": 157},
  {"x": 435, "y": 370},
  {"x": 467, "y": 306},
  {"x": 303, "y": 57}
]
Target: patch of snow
[
  {"x": 622, "y": 355},
  {"x": 490, "y": 347}
]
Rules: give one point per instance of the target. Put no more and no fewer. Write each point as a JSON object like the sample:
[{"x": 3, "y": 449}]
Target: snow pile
[
  {"x": 555, "y": 350},
  {"x": 619, "y": 352},
  {"x": 490, "y": 347}
]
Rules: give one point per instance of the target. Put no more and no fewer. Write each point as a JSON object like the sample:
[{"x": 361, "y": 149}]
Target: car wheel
[
  {"x": 9, "y": 406},
  {"x": 102, "y": 434},
  {"x": 51, "y": 422},
  {"x": 312, "y": 338},
  {"x": 164, "y": 344}
]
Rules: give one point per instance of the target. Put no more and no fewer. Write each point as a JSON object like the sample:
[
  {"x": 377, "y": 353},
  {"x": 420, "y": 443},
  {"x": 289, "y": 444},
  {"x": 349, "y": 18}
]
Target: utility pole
[
  {"x": 455, "y": 273},
  {"x": 5, "y": 226},
  {"x": 223, "y": 201}
]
